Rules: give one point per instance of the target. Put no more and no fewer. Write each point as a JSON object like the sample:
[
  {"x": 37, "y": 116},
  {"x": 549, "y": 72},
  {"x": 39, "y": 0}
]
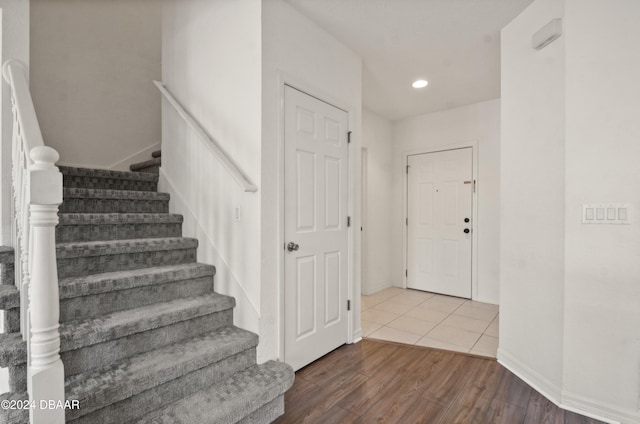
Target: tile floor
[{"x": 432, "y": 320}]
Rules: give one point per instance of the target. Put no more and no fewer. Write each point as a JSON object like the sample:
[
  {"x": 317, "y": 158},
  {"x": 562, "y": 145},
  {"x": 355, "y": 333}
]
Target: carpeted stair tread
[
  {"x": 230, "y": 401},
  {"x": 115, "y": 247},
  {"x": 106, "y": 173},
  {"x": 123, "y": 280},
  {"x": 13, "y": 349},
  {"x": 118, "y": 218},
  {"x": 146, "y": 164},
  {"x": 100, "y": 388},
  {"x": 99, "y": 193},
  {"x": 9, "y": 296},
  {"x": 156, "y": 154},
  {"x": 77, "y": 334}
]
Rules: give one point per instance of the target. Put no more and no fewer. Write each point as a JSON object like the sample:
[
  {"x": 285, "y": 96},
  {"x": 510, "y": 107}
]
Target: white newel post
[{"x": 45, "y": 369}]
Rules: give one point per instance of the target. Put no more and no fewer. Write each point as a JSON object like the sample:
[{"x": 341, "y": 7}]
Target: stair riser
[
  {"x": 72, "y": 181},
  {"x": 150, "y": 169},
  {"x": 266, "y": 413},
  {"x": 18, "y": 378},
  {"x": 135, "y": 407},
  {"x": 70, "y": 233},
  {"x": 11, "y": 320},
  {"x": 7, "y": 274},
  {"x": 97, "y": 205},
  {"x": 87, "y": 307},
  {"x": 106, "y": 353},
  {"x": 85, "y": 265}
]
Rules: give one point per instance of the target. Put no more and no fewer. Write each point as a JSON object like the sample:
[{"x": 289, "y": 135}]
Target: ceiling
[{"x": 454, "y": 44}]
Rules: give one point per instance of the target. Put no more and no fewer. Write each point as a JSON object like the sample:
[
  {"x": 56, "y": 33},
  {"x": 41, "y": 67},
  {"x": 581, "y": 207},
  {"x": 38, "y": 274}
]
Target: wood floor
[{"x": 374, "y": 382}]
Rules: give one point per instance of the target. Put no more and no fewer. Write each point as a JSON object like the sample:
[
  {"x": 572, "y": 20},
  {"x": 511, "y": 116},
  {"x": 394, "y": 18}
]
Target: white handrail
[
  {"x": 37, "y": 193},
  {"x": 232, "y": 167}
]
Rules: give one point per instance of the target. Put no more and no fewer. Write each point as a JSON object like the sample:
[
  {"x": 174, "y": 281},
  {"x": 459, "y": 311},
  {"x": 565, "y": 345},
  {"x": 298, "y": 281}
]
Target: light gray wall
[
  {"x": 532, "y": 193},
  {"x": 569, "y": 316},
  {"x": 92, "y": 67},
  {"x": 377, "y": 138}
]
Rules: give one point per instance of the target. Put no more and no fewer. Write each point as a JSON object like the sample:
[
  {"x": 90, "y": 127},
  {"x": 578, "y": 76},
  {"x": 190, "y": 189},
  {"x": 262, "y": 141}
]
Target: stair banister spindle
[{"x": 37, "y": 193}]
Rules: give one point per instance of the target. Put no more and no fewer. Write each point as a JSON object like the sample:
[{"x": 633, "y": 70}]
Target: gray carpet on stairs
[{"x": 144, "y": 337}]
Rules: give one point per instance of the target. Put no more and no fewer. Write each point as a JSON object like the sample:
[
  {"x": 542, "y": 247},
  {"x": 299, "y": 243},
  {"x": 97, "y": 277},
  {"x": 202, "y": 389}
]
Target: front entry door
[
  {"x": 439, "y": 227},
  {"x": 316, "y": 184}
]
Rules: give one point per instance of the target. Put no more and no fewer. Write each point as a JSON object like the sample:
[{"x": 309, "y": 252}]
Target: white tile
[
  {"x": 366, "y": 302},
  {"x": 448, "y": 299},
  {"x": 393, "y": 307},
  {"x": 464, "y": 323},
  {"x": 412, "y": 325},
  {"x": 369, "y": 327},
  {"x": 437, "y": 344},
  {"x": 455, "y": 336},
  {"x": 378, "y": 317},
  {"x": 435, "y": 304},
  {"x": 470, "y": 311},
  {"x": 427, "y": 314},
  {"x": 408, "y": 299},
  {"x": 486, "y": 346},
  {"x": 394, "y": 335},
  {"x": 419, "y": 293},
  {"x": 494, "y": 328}
]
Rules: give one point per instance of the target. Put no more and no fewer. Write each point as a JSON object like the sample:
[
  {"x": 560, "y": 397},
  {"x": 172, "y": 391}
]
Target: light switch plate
[{"x": 606, "y": 213}]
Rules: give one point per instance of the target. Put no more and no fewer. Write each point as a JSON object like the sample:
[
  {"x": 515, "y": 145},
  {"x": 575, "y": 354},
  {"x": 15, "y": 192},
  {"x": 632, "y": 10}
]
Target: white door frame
[
  {"x": 474, "y": 216},
  {"x": 353, "y": 281}
]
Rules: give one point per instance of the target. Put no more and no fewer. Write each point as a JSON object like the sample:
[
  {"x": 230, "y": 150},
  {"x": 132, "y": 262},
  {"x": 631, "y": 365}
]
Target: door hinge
[
  {"x": 474, "y": 186},
  {"x": 348, "y": 305},
  {"x": 406, "y": 272},
  {"x": 407, "y": 169},
  {"x": 406, "y": 222},
  {"x": 349, "y": 137},
  {"x": 348, "y": 221}
]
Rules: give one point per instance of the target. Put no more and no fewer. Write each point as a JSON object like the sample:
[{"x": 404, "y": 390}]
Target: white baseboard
[
  {"x": 597, "y": 410},
  {"x": 540, "y": 383},
  {"x": 376, "y": 289},
  {"x": 561, "y": 398}
]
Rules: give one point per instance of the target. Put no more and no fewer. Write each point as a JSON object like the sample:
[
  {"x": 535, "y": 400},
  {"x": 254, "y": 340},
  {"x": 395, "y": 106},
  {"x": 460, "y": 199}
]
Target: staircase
[
  {"x": 144, "y": 337},
  {"x": 151, "y": 166}
]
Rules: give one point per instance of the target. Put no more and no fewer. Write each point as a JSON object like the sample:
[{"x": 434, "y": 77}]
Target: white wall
[
  {"x": 376, "y": 213},
  {"x": 479, "y": 123},
  {"x": 93, "y": 63},
  {"x": 570, "y": 315},
  {"x": 212, "y": 65},
  {"x": 602, "y": 268},
  {"x": 14, "y": 44},
  {"x": 532, "y": 198},
  {"x": 298, "y": 51}
]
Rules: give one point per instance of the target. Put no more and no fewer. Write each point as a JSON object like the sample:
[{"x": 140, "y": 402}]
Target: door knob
[
  {"x": 466, "y": 231},
  {"x": 292, "y": 246}
]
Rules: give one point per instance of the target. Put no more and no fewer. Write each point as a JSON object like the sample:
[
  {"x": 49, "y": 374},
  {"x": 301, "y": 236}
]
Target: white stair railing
[
  {"x": 37, "y": 193},
  {"x": 227, "y": 161}
]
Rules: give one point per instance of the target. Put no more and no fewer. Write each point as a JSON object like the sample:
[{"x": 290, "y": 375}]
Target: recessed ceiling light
[{"x": 420, "y": 83}]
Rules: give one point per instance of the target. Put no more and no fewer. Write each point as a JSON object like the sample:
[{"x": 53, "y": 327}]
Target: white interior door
[
  {"x": 439, "y": 227},
  {"x": 315, "y": 227}
]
